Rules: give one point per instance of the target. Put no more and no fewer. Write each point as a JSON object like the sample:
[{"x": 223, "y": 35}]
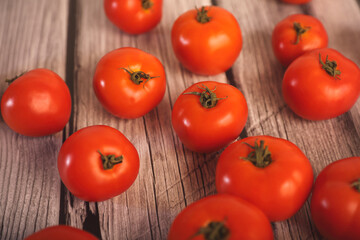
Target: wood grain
[{"x": 32, "y": 35}]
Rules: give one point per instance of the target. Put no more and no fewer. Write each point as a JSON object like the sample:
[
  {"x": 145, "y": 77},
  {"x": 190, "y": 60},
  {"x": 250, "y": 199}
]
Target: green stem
[
  {"x": 330, "y": 67},
  {"x": 146, "y": 4},
  {"x": 299, "y": 31},
  {"x": 202, "y": 16},
  {"x": 9, "y": 81},
  {"x": 356, "y": 185},
  {"x": 110, "y": 160},
  {"x": 208, "y": 98},
  {"x": 214, "y": 231},
  {"x": 138, "y": 76},
  {"x": 261, "y": 156}
]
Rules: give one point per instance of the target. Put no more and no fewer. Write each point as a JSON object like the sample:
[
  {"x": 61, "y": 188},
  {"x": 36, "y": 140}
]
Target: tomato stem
[
  {"x": 330, "y": 67},
  {"x": 138, "y": 76},
  {"x": 202, "y": 16},
  {"x": 356, "y": 185},
  {"x": 110, "y": 160},
  {"x": 9, "y": 81},
  {"x": 214, "y": 231},
  {"x": 208, "y": 98},
  {"x": 146, "y": 4},
  {"x": 261, "y": 156},
  {"x": 299, "y": 31}
]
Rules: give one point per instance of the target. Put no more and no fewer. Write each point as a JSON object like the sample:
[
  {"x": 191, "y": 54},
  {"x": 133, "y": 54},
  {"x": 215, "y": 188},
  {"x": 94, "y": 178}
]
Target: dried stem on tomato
[
  {"x": 208, "y": 98},
  {"x": 146, "y": 4},
  {"x": 214, "y": 231},
  {"x": 202, "y": 16},
  {"x": 330, "y": 67},
  {"x": 261, "y": 156},
  {"x": 299, "y": 31},
  {"x": 9, "y": 81},
  {"x": 356, "y": 185},
  {"x": 110, "y": 160},
  {"x": 138, "y": 76}
]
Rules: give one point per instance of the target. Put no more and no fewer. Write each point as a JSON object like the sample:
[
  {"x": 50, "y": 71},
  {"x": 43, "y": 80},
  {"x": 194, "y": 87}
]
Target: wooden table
[{"x": 69, "y": 37}]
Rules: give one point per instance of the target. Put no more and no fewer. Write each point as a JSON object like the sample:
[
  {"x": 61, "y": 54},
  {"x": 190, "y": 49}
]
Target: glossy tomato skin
[
  {"x": 38, "y": 103},
  {"x": 296, "y": 1},
  {"x": 241, "y": 218},
  {"x": 61, "y": 232},
  {"x": 279, "y": 189},
  {"x": 207, "y": 48},
  {"x": 313, "y": 94},
  {"x": 209, "y": 129},
  {"x": 80, "y": 165},
  {"x": 118, "y": 93},
  {"x": 335, "y": 204},
  {"x": 284, "y": 37},
  {"x": 131, "y": 17}
]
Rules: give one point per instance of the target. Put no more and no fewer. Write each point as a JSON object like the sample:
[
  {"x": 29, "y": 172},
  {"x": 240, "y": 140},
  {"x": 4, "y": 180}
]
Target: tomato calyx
[
  {"x": 9, "y": 81},
  {"x": 202, "y": 16},
  {"x": 208, "y": 98},
  {"x": 356, "y": 185},
  {"x": 110, "y": 160},
  {"x": 299, "y": 31},
  {"x": 261, "y": 156},
  {"x": 214, "y": 231},
  {"x": 146, "y": 4},
  {"x": 138, "y": 77},
  {"x": 330, "y": 67}
]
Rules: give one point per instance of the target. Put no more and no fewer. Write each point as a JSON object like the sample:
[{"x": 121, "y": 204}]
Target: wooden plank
[
  {"x": 259, "y": 75},
  {"x": 32, "y": 35},
  {"x": 170, "y": 176}
]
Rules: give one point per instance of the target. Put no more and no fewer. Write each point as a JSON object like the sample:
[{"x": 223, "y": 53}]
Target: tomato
[
  {"x": 129, "y": 82},
  {"x": 206, "y": 41},
  {"x": 272, "y": 173},
  {"x": 134, "y": 16},
  {"x": 61, "y": 232},
  {"x": 296, "y": 1},
  {"x": 209, "y": 115},
  {"x": 335, "y": 201},
  {"x": 97, "y": 163},
  {"x": 221, "y": 217},
  {"x": 321, "y": 84},
  {"x": 295, "y": 35},
  {"x": 37, "y": 103}
]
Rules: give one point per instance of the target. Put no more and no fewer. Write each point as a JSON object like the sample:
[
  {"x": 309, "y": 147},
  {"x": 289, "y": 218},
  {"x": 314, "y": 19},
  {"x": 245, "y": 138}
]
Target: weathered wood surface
[{"x": 69, "y": 37}]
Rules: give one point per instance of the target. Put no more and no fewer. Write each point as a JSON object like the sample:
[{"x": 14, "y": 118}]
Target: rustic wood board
[{"x": 69, "y": 37}]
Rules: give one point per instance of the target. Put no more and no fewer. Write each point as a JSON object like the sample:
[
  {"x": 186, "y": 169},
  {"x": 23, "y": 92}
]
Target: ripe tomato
[
  {"x": 296, "y": 1},
  {"x": 335, "y": 201},
  {"x": 295, "y": 35},
  {"x": 209, "y": 115},
  {"x": 321, "y": 84},
  {"x": 97, "y": 163},
  {"x": 61, "y": 232},
  {"x": 134, "y": 16},
  {"x": 206, "y": 41},
  {"x": 272, "y": 173},
  {"x": 221, "y": 217},
  {"x": 37, "y": 103},
  {"x": 129, "y": 82}
]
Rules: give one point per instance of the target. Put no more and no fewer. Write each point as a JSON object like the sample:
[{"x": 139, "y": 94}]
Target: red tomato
[
  {"x": 206, "y": 41},
  {"x": 209, "y": 115},
  {"x": 221, "y": 217},
  {"x": 97, "y": 163},
  {"x": 272, "y": 173},
  {"x": 129, "y": 82},
  {"x": 134, "y": 16},
  {"x": 335, "y": 201},
  {"x": 295, "y": 35},
  {"x": 296, "y": 1},
  {"x": 37, "y": 103},
  {"x": 321, "y": 84},
  {"x": 61, "y": 232}
]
